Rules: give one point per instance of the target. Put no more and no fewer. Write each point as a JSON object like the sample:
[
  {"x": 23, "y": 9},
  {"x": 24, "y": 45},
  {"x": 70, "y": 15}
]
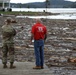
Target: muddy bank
[{"x": 60, "y": 45}]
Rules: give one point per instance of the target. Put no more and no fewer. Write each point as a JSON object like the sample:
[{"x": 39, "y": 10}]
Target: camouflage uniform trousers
[{"x": 8, "y": 48}]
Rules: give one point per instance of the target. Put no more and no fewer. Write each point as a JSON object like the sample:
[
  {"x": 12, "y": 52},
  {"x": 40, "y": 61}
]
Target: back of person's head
[
  {"x": 38, "y": 20},
  {"x": 8, "y": 20}
]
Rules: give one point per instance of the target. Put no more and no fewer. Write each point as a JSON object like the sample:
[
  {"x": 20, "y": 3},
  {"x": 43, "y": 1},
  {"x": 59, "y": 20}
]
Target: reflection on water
[{"x": 61, "y": 16}]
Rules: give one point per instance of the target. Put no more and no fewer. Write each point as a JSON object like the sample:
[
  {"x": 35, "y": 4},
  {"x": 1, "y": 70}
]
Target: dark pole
[{"x": 46, "y": 5}]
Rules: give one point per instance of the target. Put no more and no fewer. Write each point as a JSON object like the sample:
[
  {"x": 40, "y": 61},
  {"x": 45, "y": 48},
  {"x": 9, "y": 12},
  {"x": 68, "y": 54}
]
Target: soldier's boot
[
  {"x": 4, "y": 65},
  {"x": 12, "y": 66}
]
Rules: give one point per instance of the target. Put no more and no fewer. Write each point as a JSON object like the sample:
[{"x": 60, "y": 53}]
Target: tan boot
[
  {"x": 5, "y": 66},
  {"x": 11, "y": 66},
  {"x": 37, "y": 67}
]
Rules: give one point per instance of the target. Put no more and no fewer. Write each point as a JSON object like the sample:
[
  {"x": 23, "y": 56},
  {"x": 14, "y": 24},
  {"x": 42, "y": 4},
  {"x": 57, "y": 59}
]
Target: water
[
  {"x": 51, "y": 17},
  {"x": 52, "y": 10},
  {"x": 65, "y": 13}
]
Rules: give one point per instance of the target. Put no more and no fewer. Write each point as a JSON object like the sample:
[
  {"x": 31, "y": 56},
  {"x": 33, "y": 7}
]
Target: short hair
[
  {"x": 38, "y": 20},
  {"x": 9, "y": 19}
]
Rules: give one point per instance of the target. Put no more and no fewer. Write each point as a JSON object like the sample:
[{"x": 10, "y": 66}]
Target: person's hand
[{"x": 30, "y": 42}]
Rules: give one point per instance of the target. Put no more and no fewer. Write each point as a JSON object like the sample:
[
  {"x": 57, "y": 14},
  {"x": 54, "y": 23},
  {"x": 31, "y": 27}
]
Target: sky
[{"x": 27, "y": 1}]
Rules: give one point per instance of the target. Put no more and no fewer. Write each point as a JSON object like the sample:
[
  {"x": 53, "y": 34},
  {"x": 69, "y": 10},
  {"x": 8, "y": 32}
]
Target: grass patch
[
  {"x": 19, "y": 13},
  {"x": 29, "y": 13}
]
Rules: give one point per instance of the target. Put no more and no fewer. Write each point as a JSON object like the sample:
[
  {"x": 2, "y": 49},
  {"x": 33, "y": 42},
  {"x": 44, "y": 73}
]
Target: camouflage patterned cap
[{"x": 9, "y": 19}]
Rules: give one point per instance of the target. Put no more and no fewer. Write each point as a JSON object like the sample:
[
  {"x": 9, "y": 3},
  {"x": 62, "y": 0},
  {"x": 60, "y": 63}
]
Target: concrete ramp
[{"x": 24, "y": 68}]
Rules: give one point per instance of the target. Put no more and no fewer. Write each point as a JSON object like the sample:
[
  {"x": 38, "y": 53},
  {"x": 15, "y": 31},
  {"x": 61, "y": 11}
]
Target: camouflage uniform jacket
[{"x": 8, "y": 33}]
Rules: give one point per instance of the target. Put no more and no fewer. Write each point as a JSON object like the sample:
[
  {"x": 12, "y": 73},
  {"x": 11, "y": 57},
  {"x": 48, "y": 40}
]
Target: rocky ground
[{"x": 60, "y": 45}]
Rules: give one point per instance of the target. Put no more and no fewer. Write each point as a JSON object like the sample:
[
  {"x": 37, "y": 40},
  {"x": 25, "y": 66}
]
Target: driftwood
[{"x": 73, "y": 60}]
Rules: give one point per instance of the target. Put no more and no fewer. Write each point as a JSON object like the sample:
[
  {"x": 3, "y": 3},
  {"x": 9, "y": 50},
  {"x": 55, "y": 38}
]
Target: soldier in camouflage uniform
[{"x": 8, "y": 33}]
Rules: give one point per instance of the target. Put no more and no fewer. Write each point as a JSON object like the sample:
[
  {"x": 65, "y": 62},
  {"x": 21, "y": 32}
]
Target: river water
[
  {"x": 65, "y": 13},
  {"x": 53, "y": 10}
]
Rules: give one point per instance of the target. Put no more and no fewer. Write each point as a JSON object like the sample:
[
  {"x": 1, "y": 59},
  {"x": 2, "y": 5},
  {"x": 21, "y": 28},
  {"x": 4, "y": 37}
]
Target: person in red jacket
[{"x": 39, "y": 34}]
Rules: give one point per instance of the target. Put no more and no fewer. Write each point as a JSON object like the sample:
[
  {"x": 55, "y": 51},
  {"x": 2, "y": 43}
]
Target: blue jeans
[{"x": 39, "y": 52}]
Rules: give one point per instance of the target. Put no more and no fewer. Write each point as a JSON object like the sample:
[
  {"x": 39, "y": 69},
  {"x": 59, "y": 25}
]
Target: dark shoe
[
  {"x": 12, "y": 67},
  {"x": 5, "y": 66},
  {"x": 37, "y": 67},
  {"x": 42, "y": 67}
]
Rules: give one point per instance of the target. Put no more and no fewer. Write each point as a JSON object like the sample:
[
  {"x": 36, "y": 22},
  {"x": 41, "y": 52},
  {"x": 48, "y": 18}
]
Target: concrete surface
[{"x": 24, "y": 68}]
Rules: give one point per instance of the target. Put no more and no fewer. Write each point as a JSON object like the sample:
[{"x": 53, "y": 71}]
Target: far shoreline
[{"x": 29, "y": 13}]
